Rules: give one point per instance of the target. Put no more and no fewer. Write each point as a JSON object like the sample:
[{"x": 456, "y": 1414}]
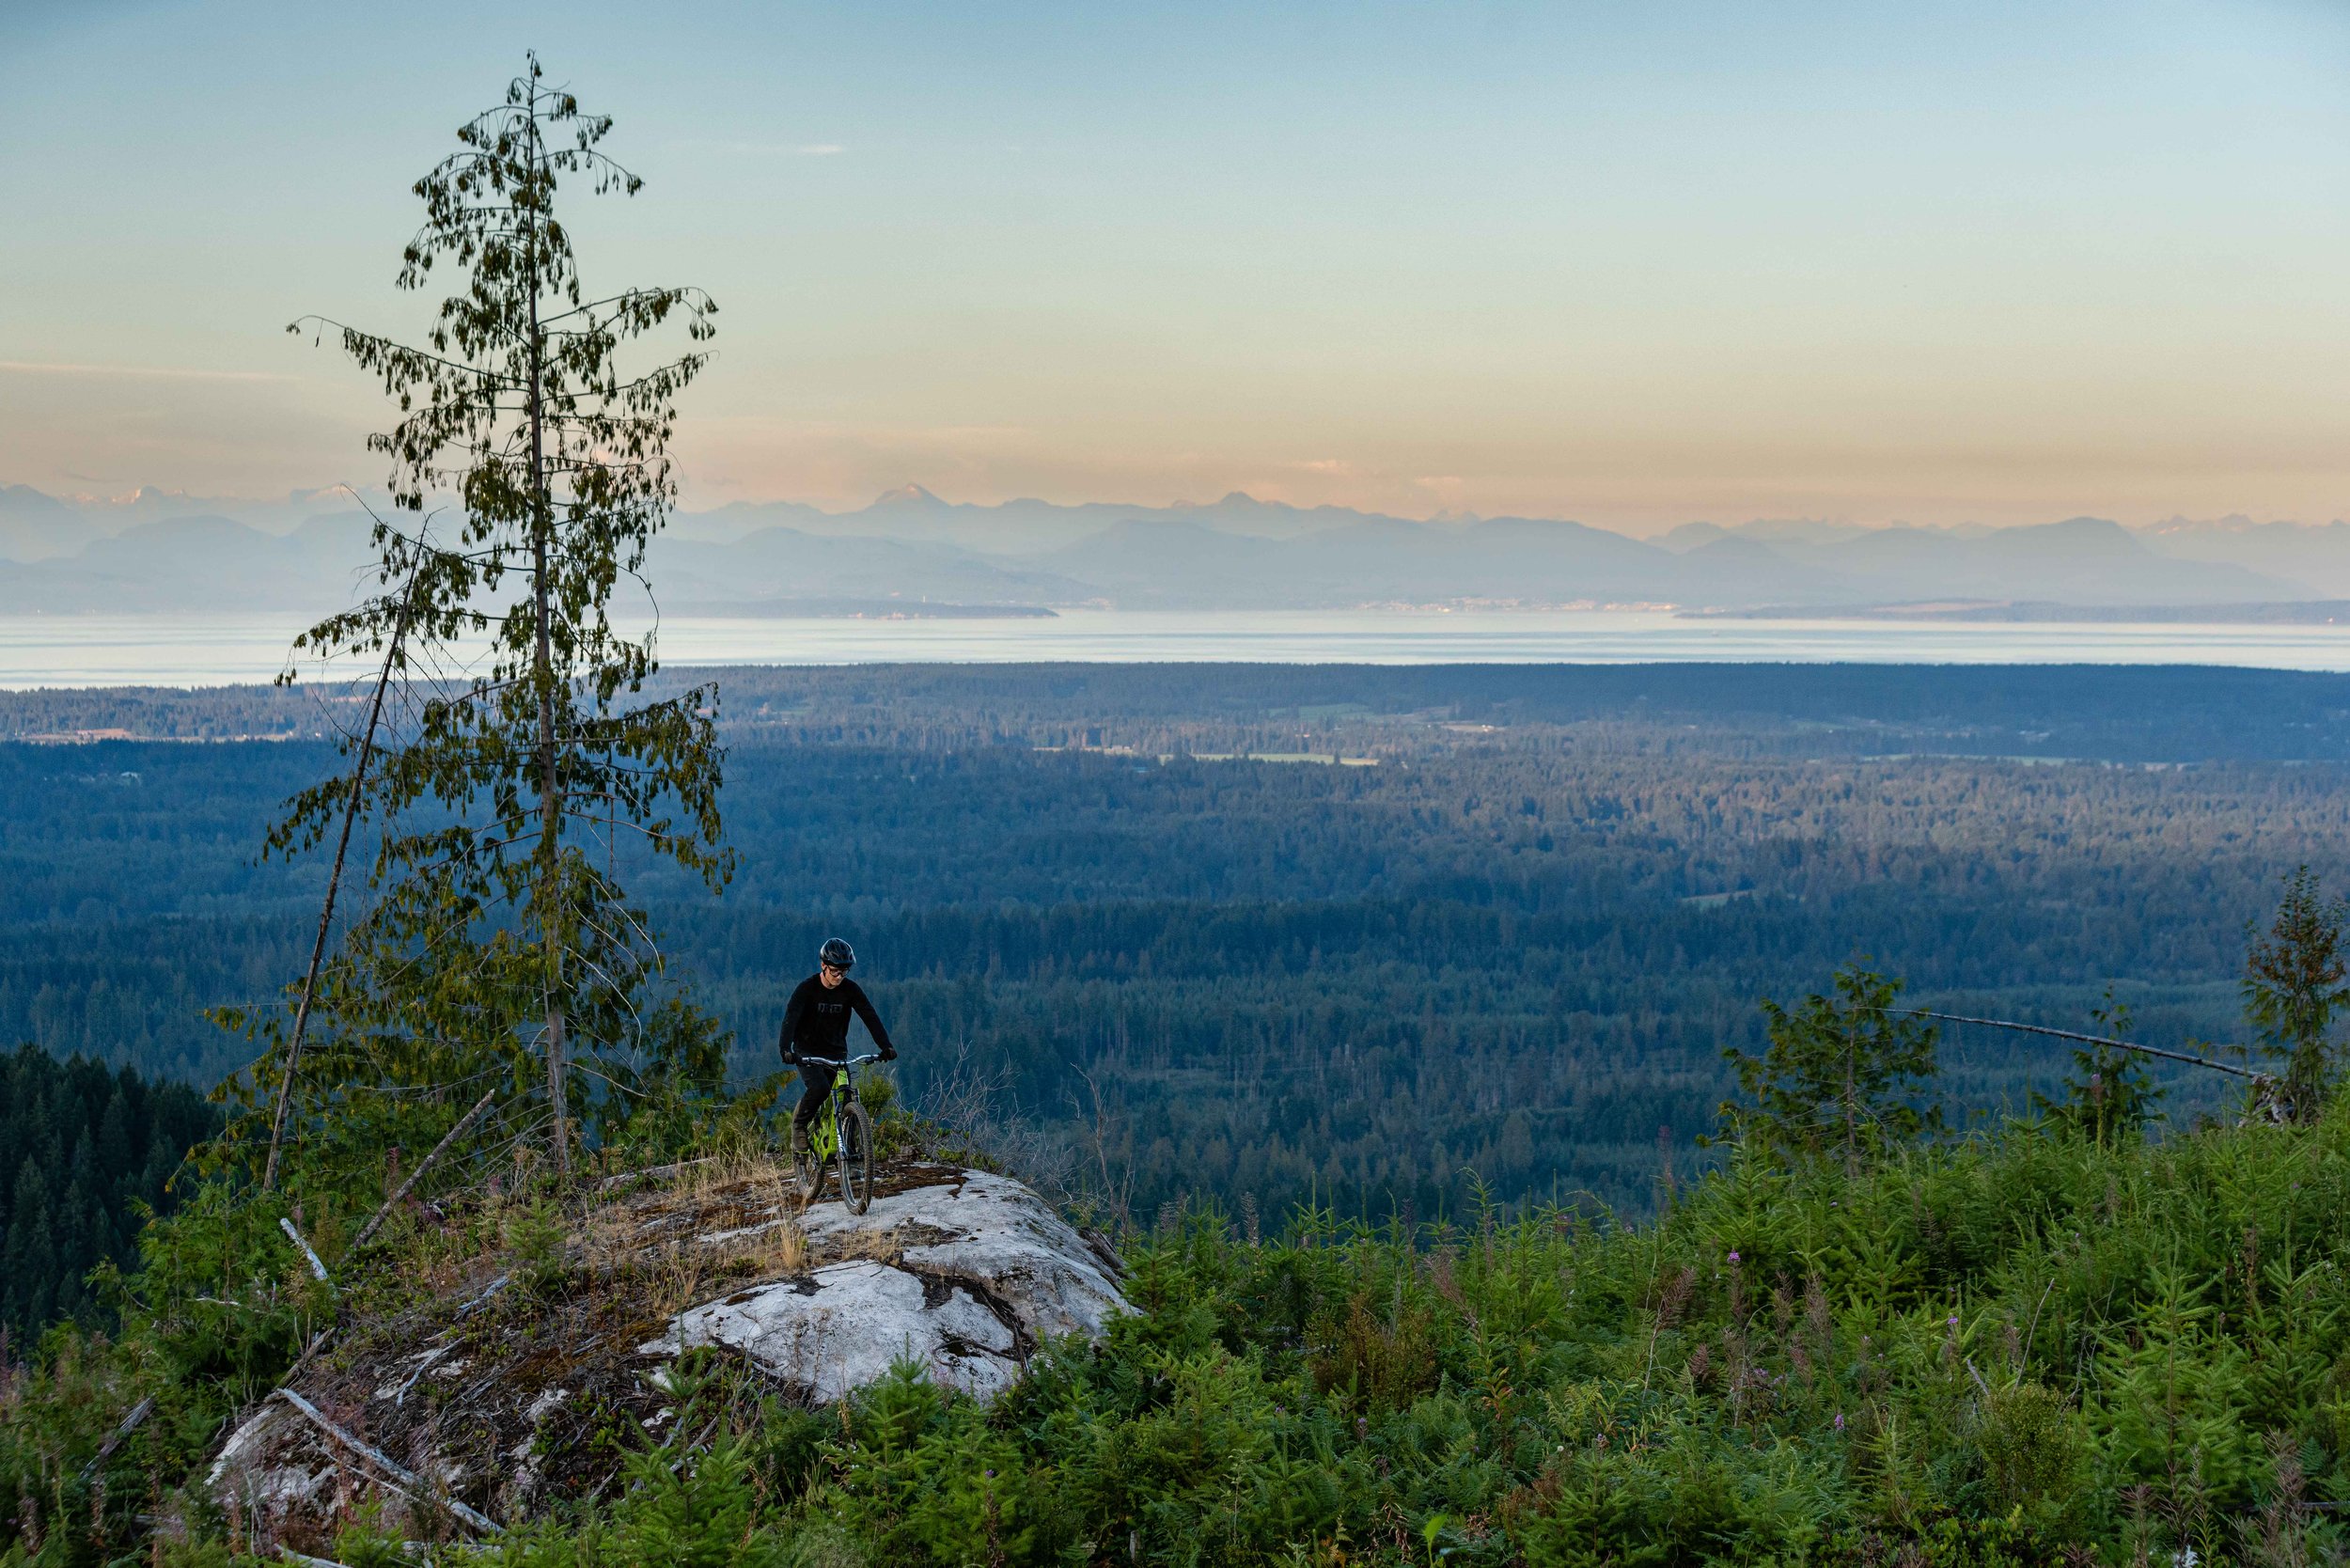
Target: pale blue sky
[{"x": 1631, "y": 263}]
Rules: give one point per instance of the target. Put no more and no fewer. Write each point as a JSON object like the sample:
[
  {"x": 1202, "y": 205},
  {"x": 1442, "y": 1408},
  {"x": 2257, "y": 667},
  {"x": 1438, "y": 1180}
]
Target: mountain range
[{"x": 159, "y": 551}]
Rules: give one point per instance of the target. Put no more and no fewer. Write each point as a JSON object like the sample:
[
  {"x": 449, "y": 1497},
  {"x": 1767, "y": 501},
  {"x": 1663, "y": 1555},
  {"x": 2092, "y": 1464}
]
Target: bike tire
[
  {"x": 810, "y": 1173},
  {"x": 857, "y": 1159}
]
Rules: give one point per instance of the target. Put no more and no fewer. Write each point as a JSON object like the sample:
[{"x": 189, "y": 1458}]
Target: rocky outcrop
[
  {"x": 491, "y": 1397},
  {"x": 967, "y": 1278}
]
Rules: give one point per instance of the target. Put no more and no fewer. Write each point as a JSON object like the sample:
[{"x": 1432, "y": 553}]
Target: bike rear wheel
[
  {"x": 808, "y": 1171},
  {"x": 857, "y": 1159}
]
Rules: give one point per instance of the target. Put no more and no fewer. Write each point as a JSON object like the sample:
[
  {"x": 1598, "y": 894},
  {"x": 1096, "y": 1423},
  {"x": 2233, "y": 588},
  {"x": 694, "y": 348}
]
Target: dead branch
[
  {"x": 2084, "y": 1039},
  {"x": 317, "y": 1269},
  {"x": 130, "y": 1423},
  {"x": 334, "y": 885},
  {"x": 400, "y": 1473},
  {"x": 424, "y": 1165}
]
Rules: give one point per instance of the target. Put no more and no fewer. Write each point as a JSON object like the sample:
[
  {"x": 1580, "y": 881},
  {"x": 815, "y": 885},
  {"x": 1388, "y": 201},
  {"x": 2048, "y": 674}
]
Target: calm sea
[{"x": 196, "y": 649}]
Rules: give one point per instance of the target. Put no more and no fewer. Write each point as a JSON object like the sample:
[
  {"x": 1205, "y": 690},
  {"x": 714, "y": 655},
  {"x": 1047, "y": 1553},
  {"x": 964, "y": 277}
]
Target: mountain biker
[{"x": 815, "y": 1037}]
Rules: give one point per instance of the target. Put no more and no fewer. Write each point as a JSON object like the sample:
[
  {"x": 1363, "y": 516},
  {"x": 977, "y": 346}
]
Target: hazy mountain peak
[
  {"x": 150, "y": 502},
  {"x": 36, "y": 527},
  {"x": 907, "y": 495},
  {"x": 198, "y": 529},
  {"x": 1805, "y": 530},
  {"x": 2096, "y": 534},
  {"x": 23, "y": 498},
  {"x": 1692, "y": 536}
]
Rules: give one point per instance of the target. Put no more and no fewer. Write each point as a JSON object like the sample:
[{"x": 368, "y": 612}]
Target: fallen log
[
  {"x": 130, "y": 1423},
  {"x": 407, "y": 1479}
]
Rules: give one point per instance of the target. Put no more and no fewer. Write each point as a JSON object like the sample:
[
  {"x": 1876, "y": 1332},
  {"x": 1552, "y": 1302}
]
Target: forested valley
[
  {"x": 88, "y": 1156},
  {"x": 1509, "y": 931}
]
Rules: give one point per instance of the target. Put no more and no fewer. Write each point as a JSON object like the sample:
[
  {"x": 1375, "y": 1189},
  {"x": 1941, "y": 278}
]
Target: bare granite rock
[
  {"x": 965, "y": 1276},
  {"x": 844, "y": 1324},
  {"x": 484, "y": 1397}
]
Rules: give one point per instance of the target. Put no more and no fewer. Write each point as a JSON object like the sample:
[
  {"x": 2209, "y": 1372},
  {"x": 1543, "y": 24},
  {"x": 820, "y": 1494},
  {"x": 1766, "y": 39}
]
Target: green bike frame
[
  {"x": 824, "y": 1141},
  {"x": 826, "y": 1144}
]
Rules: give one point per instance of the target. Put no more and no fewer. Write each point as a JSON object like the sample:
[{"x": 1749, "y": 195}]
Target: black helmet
[{"x": 837, "y": 953}]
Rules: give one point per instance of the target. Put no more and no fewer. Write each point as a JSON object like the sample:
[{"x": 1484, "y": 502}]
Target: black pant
[{"x": 819, "y": 1081}]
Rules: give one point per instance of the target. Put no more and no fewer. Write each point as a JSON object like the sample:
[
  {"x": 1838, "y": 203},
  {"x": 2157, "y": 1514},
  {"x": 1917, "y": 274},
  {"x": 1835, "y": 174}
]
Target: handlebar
[{"x": 828, "y": 1061}]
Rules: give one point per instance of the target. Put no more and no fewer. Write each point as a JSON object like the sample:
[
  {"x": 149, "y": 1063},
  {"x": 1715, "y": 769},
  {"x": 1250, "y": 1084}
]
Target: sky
[{"x": 1630, "y": 264}]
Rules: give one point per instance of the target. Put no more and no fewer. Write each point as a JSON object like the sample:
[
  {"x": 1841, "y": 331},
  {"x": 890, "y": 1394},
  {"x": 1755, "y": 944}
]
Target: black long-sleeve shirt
[{"x": 816, "y": 1020}]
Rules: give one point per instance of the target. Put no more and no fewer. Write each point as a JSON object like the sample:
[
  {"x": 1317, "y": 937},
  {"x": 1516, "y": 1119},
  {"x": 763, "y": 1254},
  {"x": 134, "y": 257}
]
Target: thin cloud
[{"x": 141, "y": 372}]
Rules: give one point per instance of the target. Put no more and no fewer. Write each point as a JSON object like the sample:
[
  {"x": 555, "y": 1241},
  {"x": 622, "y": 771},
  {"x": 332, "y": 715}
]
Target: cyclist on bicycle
[{"x": 815, "y": 1036}]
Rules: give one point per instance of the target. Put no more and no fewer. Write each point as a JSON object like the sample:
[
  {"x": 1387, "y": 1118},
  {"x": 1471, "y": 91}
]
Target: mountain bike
[{"x": 843, "y": 1137}]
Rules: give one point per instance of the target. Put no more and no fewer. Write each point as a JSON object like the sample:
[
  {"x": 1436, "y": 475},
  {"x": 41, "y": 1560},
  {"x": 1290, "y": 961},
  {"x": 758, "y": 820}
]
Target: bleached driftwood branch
[{"x": 390, "y": 1467}]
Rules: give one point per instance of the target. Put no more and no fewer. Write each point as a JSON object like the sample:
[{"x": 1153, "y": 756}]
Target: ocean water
[{"x": 202, "y": 651}]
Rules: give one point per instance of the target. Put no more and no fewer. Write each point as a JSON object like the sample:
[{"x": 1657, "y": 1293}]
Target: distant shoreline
[
  {"x": 230, "y": 649},
  {"x": 2312, "y": 612}
]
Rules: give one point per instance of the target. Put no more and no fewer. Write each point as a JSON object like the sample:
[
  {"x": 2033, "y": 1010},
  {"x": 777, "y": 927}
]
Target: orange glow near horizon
[{"x": 1631, "y": 266}]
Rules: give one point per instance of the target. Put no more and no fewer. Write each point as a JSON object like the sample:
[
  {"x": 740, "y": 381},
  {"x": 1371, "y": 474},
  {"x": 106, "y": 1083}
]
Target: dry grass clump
[{"x": 727, "y": 1219}]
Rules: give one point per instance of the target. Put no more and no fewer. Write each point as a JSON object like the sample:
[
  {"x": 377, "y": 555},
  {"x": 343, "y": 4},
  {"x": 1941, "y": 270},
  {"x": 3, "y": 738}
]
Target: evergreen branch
[{"x": 379, "y": 345}]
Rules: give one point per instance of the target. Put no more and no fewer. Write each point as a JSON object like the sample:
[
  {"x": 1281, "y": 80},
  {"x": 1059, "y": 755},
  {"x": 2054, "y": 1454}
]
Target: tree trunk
[
  {"x": 333, "y": 883},
  {"x": 542, "y": 669}
]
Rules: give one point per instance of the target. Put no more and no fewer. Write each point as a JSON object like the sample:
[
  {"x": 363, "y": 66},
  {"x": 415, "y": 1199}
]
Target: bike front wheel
[{"x": 857, "y": 1159}]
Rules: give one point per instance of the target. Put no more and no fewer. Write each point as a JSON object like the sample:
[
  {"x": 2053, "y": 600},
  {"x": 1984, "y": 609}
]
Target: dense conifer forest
[
  {"x": 88, "y": 1154},
  {"x": 1516, "y": 941}
]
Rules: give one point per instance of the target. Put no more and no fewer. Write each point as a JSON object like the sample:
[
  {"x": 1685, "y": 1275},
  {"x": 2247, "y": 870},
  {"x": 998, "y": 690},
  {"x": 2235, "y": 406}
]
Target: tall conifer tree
[
  {"x": 500, "y": 944},
  {"x": 2294, "y": 987}
]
